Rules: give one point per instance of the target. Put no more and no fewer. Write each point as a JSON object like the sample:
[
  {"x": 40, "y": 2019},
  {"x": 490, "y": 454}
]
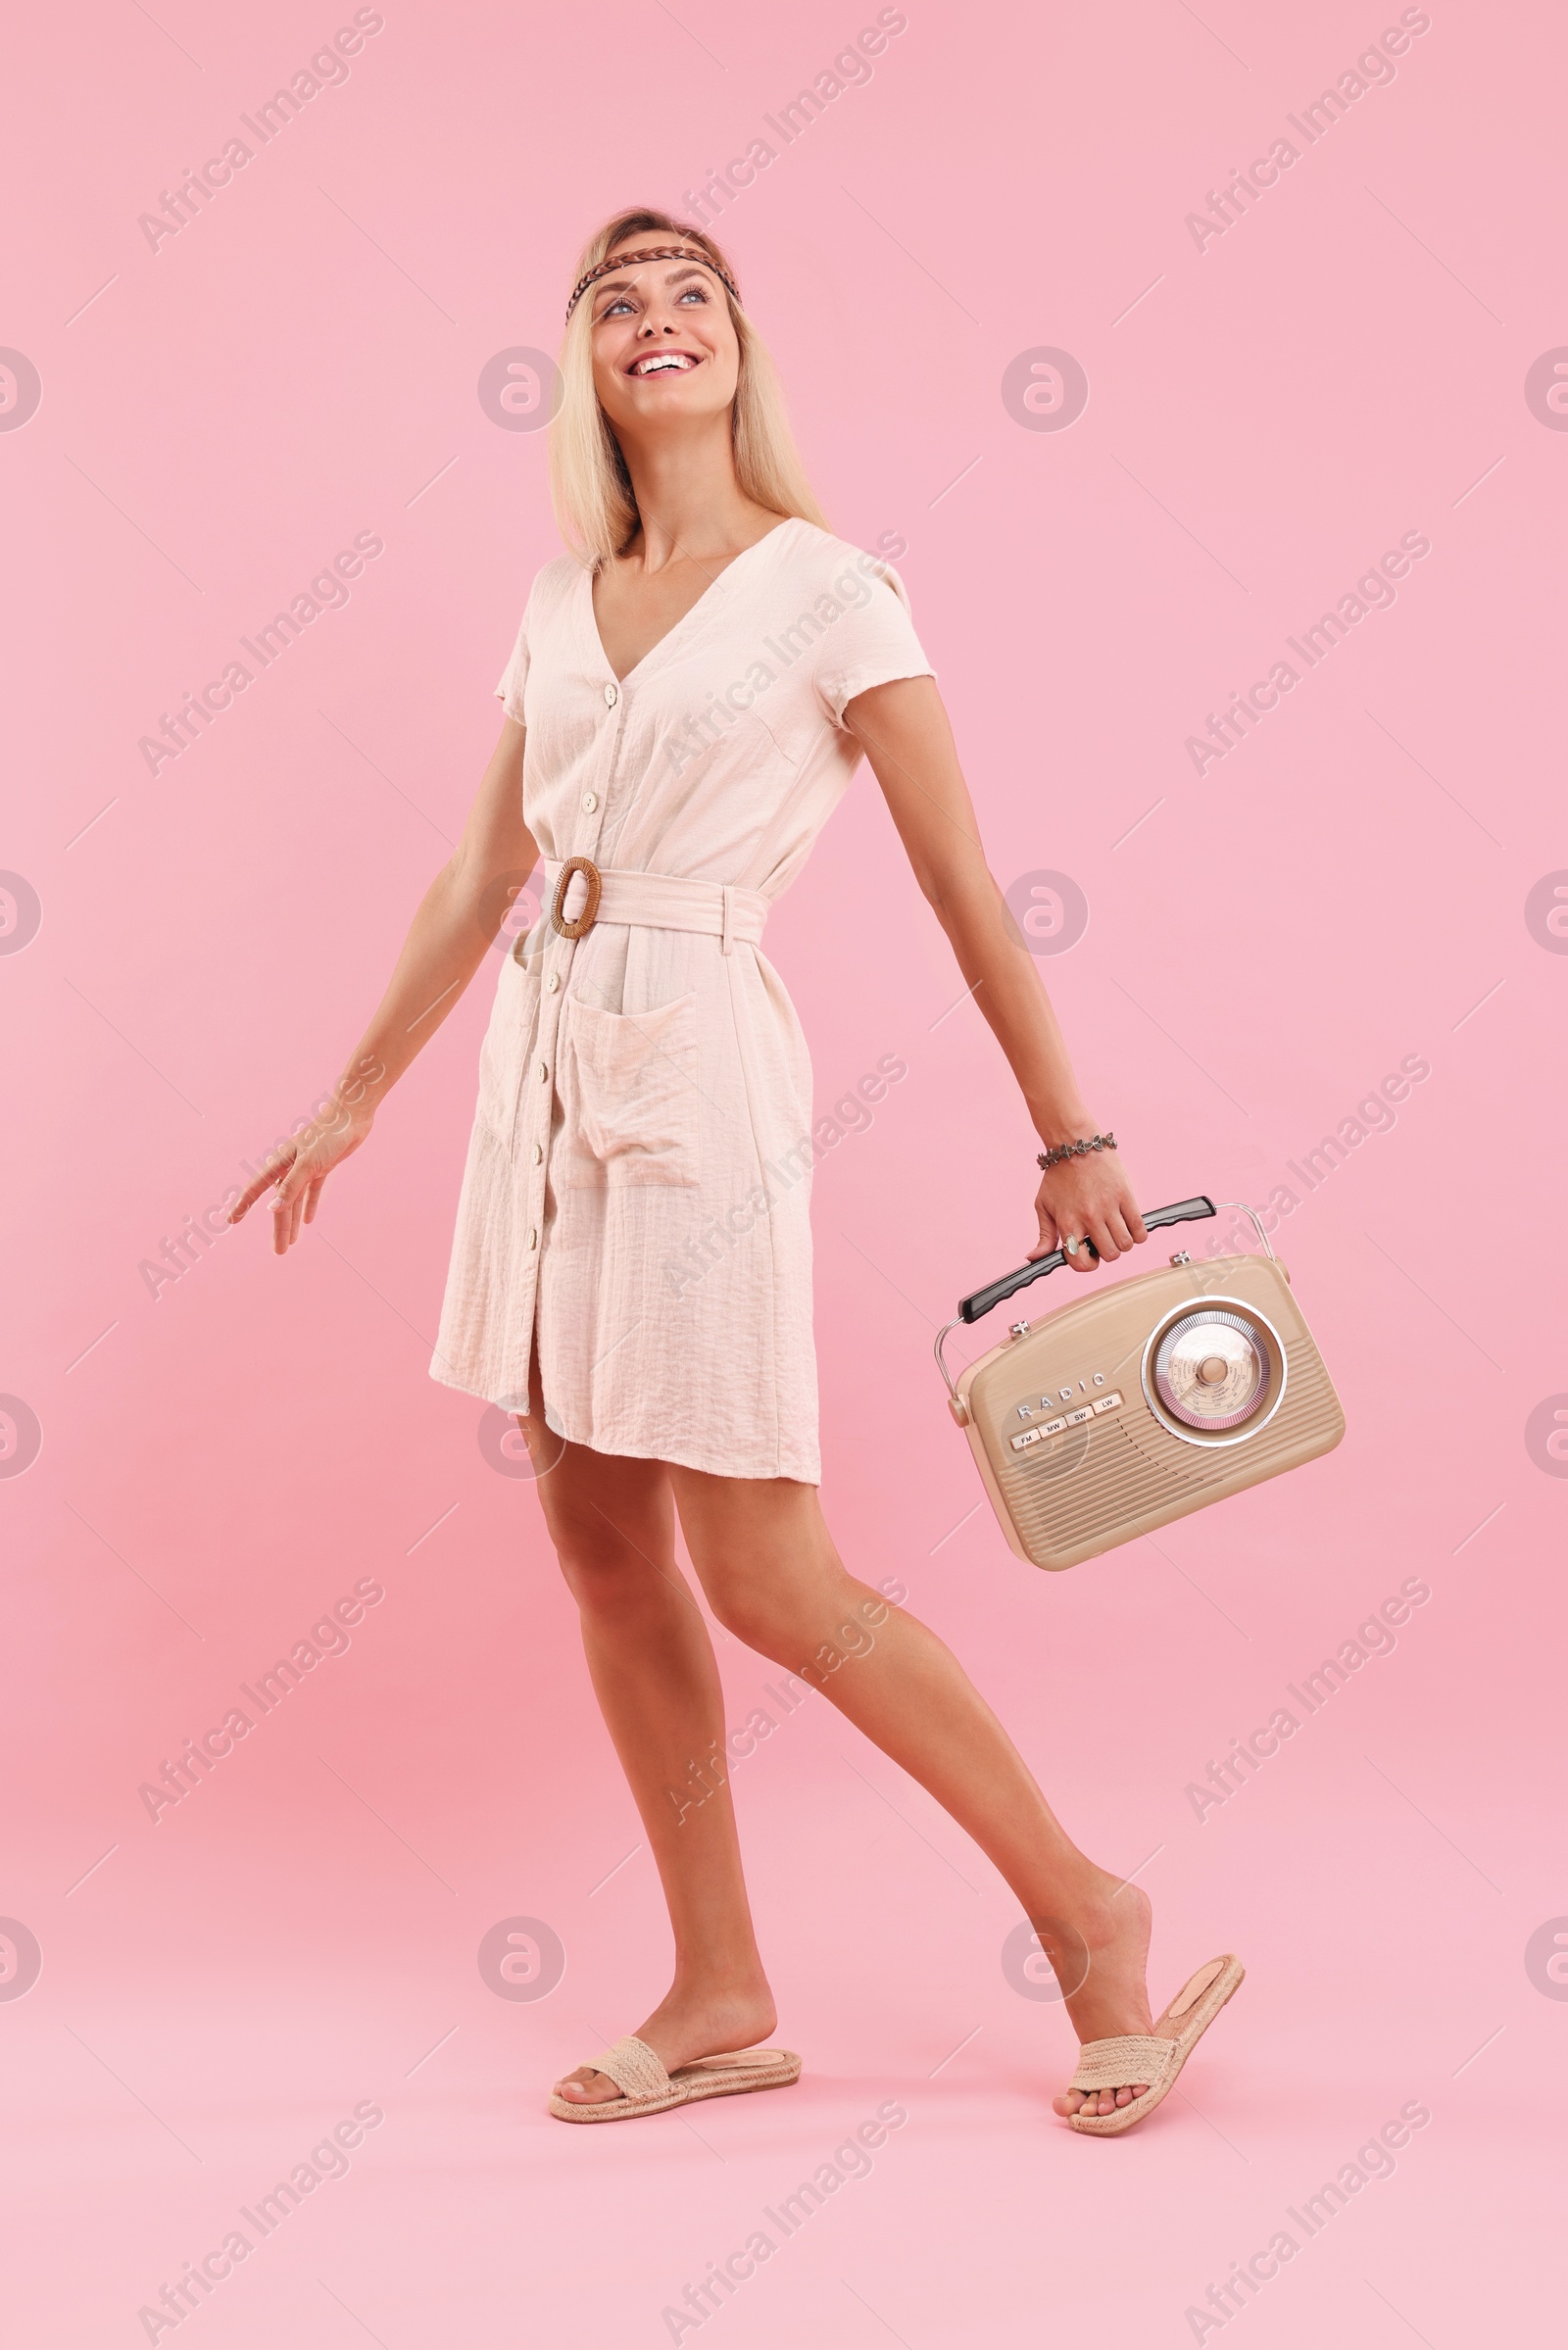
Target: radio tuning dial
[{"x": 1211, "y": 1370}]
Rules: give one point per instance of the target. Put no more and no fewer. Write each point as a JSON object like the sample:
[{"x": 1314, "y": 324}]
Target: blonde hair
[{"x": 590, "y": 485}]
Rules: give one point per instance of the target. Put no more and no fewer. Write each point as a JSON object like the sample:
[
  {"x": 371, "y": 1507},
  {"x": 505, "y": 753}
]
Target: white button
[
  {"x": 590, "y": 801},
  {"x": 1110, "y": 1403},
  {"x": 1076, "y": 1419},
  {"x": 533, "y": 1238},
  {"x": 543, "y": 1073},
  {"x": 1052, "y": 1427},
  {"x": 1030, "y": 1436},
  {"x": 611, "y": 696},
  {"x": 538, "y": 1152},
  {"x": 552, "y": 982}
]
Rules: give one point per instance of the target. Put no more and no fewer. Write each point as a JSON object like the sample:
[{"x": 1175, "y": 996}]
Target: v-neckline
[{"x": 689, "y": 613}]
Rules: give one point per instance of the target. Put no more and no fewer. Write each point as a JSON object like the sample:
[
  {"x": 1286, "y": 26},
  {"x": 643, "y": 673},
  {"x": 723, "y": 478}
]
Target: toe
[
  {"x": 585, "y": 2087},
  {"x": 1097, "y": 2101}
]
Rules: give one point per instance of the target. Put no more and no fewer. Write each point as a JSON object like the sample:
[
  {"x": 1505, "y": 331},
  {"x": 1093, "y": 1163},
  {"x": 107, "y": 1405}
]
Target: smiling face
[{"x": 664, "y": 348}]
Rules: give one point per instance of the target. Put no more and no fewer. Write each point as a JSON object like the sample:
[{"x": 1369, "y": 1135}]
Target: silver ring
[{"x": 1071, "y": 1248}]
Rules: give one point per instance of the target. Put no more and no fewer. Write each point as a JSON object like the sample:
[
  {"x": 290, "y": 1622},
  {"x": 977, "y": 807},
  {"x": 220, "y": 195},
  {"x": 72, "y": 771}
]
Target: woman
[{"x": 691, "y": 688}]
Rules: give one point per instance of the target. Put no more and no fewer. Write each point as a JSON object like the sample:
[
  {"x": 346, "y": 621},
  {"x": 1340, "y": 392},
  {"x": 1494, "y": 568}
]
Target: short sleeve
[
  {"x": 515, "y": 676},
  {"x": 870, "y": 641}
]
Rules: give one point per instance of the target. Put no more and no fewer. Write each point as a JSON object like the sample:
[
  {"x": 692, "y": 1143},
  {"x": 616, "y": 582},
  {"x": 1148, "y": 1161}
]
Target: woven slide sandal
[
  {"x": 647, "y": 2089},
  {"x": 1155, "y": 2056}
]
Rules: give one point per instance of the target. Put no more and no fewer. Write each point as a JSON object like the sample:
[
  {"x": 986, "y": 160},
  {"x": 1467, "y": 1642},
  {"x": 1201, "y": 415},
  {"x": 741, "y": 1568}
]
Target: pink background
[{"x": 1346, "y": 363}]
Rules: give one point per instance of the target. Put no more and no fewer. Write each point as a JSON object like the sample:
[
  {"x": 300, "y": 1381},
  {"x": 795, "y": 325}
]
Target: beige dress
[{"x": 639, "y": 1171}]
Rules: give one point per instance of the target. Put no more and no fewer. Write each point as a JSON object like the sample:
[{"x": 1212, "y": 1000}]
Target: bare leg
[
  {"x": 773, "y": 1577},
  {"x": 656, "y": 1681}
]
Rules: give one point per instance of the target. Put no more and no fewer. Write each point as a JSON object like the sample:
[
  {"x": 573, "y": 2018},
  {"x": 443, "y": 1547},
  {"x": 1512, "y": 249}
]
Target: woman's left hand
[{"x": 1088, "y": 1199}]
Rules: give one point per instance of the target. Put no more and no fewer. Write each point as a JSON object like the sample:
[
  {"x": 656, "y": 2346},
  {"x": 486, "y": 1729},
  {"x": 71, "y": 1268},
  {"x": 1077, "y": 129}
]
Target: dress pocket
[
  {"x": 630, "y": 1092},
  {"x": 503, "y": 1054}
]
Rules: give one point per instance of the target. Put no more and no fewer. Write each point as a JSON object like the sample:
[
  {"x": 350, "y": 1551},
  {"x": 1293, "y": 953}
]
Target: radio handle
[{"x": 970, "y": 1309}]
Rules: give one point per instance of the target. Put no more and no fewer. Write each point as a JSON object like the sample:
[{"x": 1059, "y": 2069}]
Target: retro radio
[{"x": 1142, "y": 1402}]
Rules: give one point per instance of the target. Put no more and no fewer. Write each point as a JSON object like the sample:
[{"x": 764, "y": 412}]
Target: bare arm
[
  {"x": 904, "y": 730},
  {"x": 448, "y": 939}
]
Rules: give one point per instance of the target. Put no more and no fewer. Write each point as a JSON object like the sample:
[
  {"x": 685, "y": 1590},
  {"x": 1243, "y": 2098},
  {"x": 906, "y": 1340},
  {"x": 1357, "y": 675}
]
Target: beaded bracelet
[{"x": 1053, "y": 1155}]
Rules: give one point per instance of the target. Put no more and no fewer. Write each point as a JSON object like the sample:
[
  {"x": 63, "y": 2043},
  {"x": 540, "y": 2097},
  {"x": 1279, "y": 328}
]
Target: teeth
[{"x": 652, "y": 366}]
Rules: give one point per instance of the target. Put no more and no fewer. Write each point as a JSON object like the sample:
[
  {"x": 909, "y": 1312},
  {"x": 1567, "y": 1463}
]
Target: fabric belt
[{"x": 660, "y": 902}]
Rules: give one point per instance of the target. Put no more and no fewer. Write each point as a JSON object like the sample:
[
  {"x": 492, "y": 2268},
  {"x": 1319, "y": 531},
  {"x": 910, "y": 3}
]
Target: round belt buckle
[{"x": 585, "y": 920}]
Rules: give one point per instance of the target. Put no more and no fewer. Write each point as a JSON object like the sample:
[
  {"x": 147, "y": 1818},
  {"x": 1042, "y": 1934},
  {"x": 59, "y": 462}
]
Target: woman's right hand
[{"x": 300, "y": 1168}]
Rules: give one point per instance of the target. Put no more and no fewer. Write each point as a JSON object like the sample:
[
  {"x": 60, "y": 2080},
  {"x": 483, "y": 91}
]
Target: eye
[
  {"x": 694, "y": 293},
  {"x": 620, "y": 302}
]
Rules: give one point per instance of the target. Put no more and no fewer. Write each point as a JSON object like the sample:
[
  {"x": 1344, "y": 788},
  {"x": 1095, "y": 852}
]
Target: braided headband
[{"x": 625, "y": 261}]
